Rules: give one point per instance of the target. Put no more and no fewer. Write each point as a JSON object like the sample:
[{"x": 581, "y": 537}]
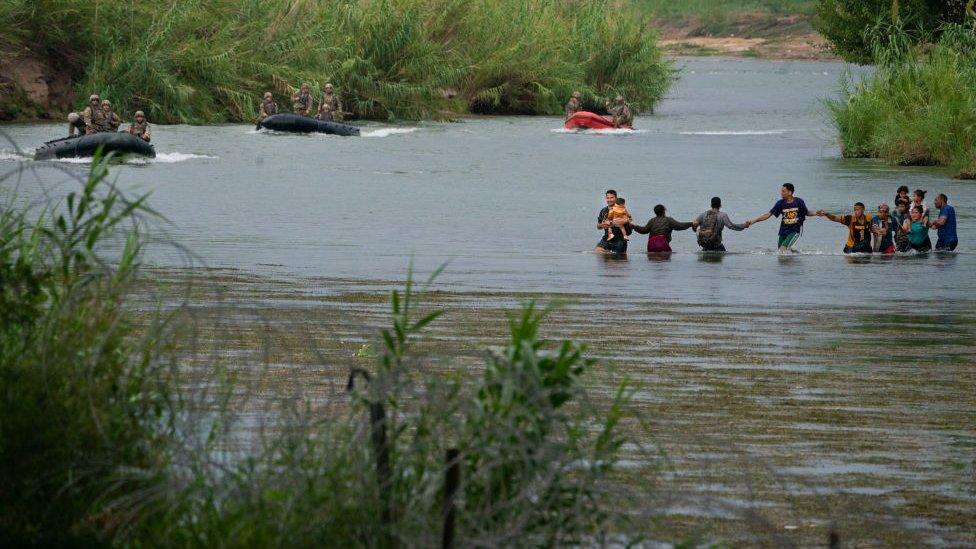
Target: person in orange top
[
  {"x": 858, "y": 226},
  {"x": 618, "y": 211}
]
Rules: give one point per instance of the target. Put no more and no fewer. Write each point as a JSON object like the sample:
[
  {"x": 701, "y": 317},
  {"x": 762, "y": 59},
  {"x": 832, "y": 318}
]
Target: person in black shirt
[{"x": 620, "y": 227}]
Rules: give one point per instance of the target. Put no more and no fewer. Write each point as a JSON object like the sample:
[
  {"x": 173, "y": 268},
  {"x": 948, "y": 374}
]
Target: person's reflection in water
[
  {"x": 711, "y": 257},
  {"x": 858, "y": 259},
  {"x": 659, "y": 256},
  {"x": 613, "y": 260}
]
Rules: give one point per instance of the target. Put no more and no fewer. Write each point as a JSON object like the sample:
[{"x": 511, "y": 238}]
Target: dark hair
[
  {"x": 901, "y": 201},
  {"x": 659, "y": 209},
  {"x": 861, "y": 204},
  {"x": 620, "y": 201},
  {"x": 716, "y": 202},
  {"x": 944, "y": 197},
  {"x": 920, "y": 192},
  {"x": 789, "y": 187},
  {"x": 611, "y": 191},
  {"x": 902, "y": 189}
]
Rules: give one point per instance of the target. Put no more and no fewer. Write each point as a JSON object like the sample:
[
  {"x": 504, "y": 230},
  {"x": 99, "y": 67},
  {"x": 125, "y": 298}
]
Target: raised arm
[
  {"x": 643, "y": 229},
  {"x": 761, "y": 218},
  {"x": 679, "y": 225},
  {"x": 727, "y": 221},
  {"x": 832, "y": 217}
]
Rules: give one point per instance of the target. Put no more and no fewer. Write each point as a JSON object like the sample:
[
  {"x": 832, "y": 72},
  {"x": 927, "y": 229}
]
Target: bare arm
[
  {"x": 761, "y": 218},
  {"x": 832, "y": 217},
  {"x": 939, "y": 222}
]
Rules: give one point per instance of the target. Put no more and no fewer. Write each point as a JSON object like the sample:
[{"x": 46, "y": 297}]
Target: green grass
[
  {"x": 919, "y": 105},
  {"x": 722, "y": 17},
  {"x": 207, "y": 61}
]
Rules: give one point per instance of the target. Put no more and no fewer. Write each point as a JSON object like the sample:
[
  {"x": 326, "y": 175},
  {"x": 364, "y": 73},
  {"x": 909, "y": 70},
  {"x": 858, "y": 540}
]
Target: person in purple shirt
[
  {"x": 793, "y": 211},
  {"x": 946, "y": 224}
]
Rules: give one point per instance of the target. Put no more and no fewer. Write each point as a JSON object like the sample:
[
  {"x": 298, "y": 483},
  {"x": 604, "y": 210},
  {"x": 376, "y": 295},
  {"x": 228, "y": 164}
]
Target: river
[
  {"x": 794, "y": 395},
  {"x": 510, "y": 203}
]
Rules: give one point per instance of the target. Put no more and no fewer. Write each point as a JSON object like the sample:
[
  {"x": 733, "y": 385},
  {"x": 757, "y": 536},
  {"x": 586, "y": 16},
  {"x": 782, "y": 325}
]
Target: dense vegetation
[
  {"x": 729, "y": 16},
  {"x": 918, "y": 106},
  {"x": 209, "y": 60},
  {"x": 847, "y": 23},
  {"x": 111, "y": 434}
]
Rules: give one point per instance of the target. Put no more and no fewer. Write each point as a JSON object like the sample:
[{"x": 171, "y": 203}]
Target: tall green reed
[{"x": 209, "y": 60}]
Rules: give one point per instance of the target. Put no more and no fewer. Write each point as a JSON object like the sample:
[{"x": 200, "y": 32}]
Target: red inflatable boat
[{"x": 584, "y": 120}]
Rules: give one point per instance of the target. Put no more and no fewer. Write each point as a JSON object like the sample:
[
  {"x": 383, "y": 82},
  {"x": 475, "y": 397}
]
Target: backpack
[{"x": 708, "y": 234}]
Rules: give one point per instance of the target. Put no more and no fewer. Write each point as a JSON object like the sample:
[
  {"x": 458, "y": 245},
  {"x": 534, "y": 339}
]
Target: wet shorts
[
  {"x": 863, "y": 247},
  {"x": 616, "y": 246},
  {"x": 788, "y": 240}
]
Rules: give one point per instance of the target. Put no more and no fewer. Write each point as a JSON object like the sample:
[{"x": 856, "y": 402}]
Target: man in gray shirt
[{"x": 710, "y": 225}]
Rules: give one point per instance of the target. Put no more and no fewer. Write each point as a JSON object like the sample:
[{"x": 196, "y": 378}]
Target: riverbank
[{"x": 400, "y": 59}]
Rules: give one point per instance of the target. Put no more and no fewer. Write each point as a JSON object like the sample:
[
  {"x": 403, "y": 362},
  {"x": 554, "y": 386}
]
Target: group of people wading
[
  {"x": 886, "y": 232},
  {"x": 620, "y": 112},
  {"x": 330, "y": 108},
  {"x": 98, "y": 117}
]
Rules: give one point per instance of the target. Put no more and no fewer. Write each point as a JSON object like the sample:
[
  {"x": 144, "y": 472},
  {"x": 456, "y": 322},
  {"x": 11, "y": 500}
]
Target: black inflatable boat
[
  {"x": 286, "y": 122},
  {"x": 121, "y": 143}
]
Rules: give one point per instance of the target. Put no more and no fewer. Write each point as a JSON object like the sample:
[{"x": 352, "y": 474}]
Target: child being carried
[{"x": 616, "y": 212}]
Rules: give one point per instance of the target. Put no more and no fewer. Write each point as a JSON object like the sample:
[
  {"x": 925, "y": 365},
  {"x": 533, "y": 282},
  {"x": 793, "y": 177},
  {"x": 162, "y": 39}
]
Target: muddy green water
[{"x": 511, "y": 203}]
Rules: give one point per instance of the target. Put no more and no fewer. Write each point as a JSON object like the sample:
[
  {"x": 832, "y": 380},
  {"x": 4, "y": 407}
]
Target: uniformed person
[
  {"x": 140, "y": 128},
  {"x": 91, "y": 112},
  {"x": 76, "y": 124},
  {"x": 105, "y": 120},
  {"x": 329, "y": 106},
  {"x": 621, "y": 113},
  {"x": 302, "y": 101},
  {"x": 267, "y": 107},
  {"x": 574, "y": 105}
]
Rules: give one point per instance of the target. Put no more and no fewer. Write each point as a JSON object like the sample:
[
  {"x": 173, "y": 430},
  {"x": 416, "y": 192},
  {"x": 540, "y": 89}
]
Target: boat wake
[
  {"x": 386, "y": 132},
  {"x": 608, "y": 131},
  {"x": 734, "y": 132},
  {"x": 162, "y": 158}
]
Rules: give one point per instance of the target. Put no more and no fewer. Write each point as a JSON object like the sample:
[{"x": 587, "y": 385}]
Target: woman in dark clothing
[{"x": 659, "y": 230}]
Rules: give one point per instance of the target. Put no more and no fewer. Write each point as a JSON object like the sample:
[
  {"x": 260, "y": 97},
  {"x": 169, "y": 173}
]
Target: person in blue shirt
[
  {"x": 793, "y": 211},
  {"x": 946, "y": 224}
]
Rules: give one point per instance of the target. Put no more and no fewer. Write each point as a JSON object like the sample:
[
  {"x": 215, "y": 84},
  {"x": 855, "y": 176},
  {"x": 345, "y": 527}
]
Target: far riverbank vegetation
[{"x": 210, "y": 61}]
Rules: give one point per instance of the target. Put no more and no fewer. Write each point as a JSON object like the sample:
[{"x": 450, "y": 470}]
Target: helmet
[
  {"x": 93, "y": 97},
  {"x": 106, "y": 102},
  {"x": 267, "y": 95},
  {"x": 328, "y": 87},
  {"x": 140, "y": 113}
]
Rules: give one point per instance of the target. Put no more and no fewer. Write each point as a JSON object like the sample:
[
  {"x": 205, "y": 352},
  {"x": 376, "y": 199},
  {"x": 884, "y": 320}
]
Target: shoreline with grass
[{"x": 205, "y": 63}]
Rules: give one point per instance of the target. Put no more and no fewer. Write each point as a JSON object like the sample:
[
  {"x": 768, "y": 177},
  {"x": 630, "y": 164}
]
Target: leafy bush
[
  {"x": 919, "y": 105},
  {"x": 847, "y": 23},
  {"x": 79, "y": 391},
  {"x": 210, "y": 60}
]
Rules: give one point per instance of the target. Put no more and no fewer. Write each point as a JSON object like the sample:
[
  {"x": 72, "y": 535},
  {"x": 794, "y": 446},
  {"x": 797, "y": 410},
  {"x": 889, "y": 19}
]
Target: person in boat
[
  {"x": 105, "y": 120},
  {"x": 267, "y": 107},
  {"x": 620, "y": 112},
  {"x": 91, "y": 112},
  {"x": 711, "y": 224},
  {"x": 620, "y": 226},
  {"x": 76, "y": 124},
  {"x": 302, "y": 101},
  {"x": 329, "y": 107},
  {"x": 574, "y": 105},
  {"x": 140, "y": 127},
  {"x": 794, "y": 211},
  {"x": 858, "y": 226},
  {"x": 659, "y": 229}
]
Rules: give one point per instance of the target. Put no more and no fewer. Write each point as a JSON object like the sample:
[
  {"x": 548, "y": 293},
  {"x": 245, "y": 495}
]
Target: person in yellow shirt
[{"x": 858, "y": 226}]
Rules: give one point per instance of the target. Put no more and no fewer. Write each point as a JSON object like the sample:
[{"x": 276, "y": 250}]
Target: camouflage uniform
[
  {"x": 334, "y": 111},
  {"x": 622, "y": 115},
  {"x": 302, "y": 103},
  {"x": 89, "y": 115},
  {"x": 142, "y": 130},
  {"x": 76, "y": 124},
  {"x": 266, "y": 109},
  {"x": 102, "y": 121},
  {"x": 572, "y": 107}
]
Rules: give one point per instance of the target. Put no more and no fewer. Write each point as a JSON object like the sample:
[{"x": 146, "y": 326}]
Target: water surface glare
[{"x": 511, "y": 204}]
